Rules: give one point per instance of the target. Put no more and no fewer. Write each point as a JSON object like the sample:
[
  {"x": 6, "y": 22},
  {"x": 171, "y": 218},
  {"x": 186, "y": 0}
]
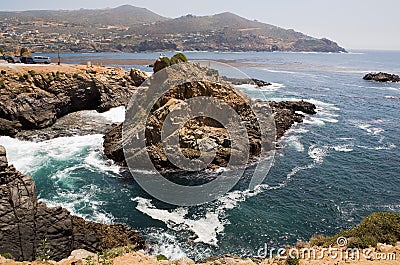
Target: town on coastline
[{"x": 132, "y": 29}]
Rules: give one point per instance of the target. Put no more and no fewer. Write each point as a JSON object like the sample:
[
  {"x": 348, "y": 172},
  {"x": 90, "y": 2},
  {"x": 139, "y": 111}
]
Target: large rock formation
[
  {"x": 288, "y": 112},
  {"x": 25, "y": 222},
  {"x": 30, "y": 100},
  {"x": 382, "y": 77},
  {"x": 197, "y": 130}
]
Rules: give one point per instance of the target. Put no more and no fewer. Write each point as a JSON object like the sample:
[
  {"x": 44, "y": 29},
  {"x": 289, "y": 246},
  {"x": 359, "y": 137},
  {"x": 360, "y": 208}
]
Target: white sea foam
[
  {"x": 167, "y": 245},
  {"x": 369, "y": 128},
  {"x": 317, "y": 153},
  {"x": 205, "y": 228},
  {"x": 280, "y": 71},
  {"x": 392, "y": 97},
  {"x": 29, "y": 157},
  {"x": 297, "y": 169},
  {"x": 294, "y": 141},
  {"x": 70, "y": 200},
  {"x": 115, "y": 115},
  {"x": 343, "y": 148},
  {"x": 272, "y": 87},
  {"x": 388, "y": 146}
]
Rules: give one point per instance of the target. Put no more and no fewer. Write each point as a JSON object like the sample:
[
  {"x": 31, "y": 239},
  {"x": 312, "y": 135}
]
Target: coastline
[{"x": 24, "y": 70}]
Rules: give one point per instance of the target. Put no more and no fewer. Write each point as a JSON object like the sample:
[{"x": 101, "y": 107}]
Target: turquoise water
[{"x": 337, "y": 167}]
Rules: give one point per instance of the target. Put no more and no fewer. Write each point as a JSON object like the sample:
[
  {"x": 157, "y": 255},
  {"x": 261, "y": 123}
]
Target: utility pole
[{"x": 59, "y": 58}]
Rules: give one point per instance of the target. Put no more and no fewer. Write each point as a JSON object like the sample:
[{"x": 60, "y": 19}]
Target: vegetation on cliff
[{"x": 376, "y": 228}]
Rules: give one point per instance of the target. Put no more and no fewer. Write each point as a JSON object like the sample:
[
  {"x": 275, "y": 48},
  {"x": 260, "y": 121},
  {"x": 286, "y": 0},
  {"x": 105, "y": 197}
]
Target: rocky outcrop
[
  {"x": 31, "y": 100},
  {"x": 287, "y": 113},
  {"x": 381, "y": 77},
  {"x": 316, "y": 45},
  {"x": 238, "y": 81},
  {"x": 25, "y": 222},
  {"x": 197, "y": 130}
]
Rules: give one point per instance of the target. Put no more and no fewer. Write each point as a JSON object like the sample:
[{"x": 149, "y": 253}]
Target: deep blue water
[{"x": 334, "y": 169}]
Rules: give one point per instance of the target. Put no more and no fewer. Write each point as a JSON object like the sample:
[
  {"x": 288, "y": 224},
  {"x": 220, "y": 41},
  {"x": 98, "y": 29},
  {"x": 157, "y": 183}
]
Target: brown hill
[{"x": 125, "y": 15}]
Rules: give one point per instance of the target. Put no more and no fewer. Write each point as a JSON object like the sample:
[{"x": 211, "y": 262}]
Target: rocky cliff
[
  {"x": 195, "y": 131},
  {"x": 35, "y": 97},
  {"x": 25, "y": 222}
]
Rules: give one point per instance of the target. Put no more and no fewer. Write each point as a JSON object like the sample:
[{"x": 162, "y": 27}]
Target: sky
[{"x": 354, "y": 24}]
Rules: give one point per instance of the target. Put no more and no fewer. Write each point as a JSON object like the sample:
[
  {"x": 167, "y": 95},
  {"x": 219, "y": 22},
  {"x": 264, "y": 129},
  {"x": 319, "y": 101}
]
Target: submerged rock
[
  {"x": 382, "y": 77},
  {"x": 25, "y": 222}
]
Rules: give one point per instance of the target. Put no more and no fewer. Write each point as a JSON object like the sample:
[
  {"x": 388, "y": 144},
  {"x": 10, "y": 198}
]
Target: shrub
[
  {"x": 105, "y": 257},
  {"x": 23, "y": 78},
  {"x": 373, "y": 229},
  {"x": 43, "y": 253},
  {"x": 161, "y": 63},
  {"x": 25, "y": 52},
  {"x": 32, "y": 73},
  {"x": 161, "y": 257},
  {"x": 89, "y": 260},
  {"x": 212, "y": 72},
  {"x": 50, "y": 77},
  {"x": 178, "y": 58},
  {"x": 318, "y": 240},
  {"x": 7, "y": 256},
  {"x": 75, "y": 75},
  {"x": 2, "y": 84},
  {"x": 57, "y": 76},
  {"x": 292, "y": 261}
]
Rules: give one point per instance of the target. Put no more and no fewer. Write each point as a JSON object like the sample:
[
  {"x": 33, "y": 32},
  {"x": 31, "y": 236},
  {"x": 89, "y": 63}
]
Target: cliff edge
[{"x": 26, "y": 223}]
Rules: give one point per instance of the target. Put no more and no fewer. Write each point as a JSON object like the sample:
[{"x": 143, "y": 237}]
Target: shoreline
[{"x": 84, "y": 66}]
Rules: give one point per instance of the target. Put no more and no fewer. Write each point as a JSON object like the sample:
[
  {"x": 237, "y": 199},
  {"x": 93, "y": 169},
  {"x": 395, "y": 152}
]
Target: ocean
[{"x": 337, "y": 167}]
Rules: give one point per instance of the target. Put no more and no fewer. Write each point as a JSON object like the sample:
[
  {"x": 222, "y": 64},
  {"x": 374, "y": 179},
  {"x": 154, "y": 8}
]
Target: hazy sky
[{"x": 354, "y": 24}]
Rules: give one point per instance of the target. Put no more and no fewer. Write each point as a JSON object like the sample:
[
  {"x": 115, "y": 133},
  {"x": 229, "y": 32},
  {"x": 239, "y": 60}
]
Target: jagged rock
[
  {"x": 9, "y": 127},
  {"x": 238, "y": 81},
  {"x": 25, "y": 222},
  {"x": 382, "y": 77},
  {"x": 287, "y": 113},
  {"x": 36, "y": 101},
  {"x": 79, "y": 255},
  {"x": 384, "y": 248},
  {"x": 137, "y": 76},
  {"x": 112, "y": 144},
  {"x": 197, "y": 130},
  {"x": 3, "y": 158}
]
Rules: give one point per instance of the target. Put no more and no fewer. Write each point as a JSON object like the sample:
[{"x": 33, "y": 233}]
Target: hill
[
  {"x": 121, "y": 16},
  {"x": 230, "y": 32},
  {"x": 132, "y": 29}
]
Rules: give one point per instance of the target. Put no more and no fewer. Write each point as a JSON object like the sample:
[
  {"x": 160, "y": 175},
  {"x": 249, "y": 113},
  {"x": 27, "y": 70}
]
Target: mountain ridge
[{"x": 133, "y": 29}]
